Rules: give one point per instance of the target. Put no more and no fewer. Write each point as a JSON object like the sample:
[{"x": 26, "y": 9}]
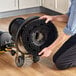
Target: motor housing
[{"x": 5, "y": 40}]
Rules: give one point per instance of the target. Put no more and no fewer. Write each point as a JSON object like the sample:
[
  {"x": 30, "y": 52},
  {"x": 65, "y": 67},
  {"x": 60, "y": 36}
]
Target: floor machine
[{"x": 28, "y": 36}]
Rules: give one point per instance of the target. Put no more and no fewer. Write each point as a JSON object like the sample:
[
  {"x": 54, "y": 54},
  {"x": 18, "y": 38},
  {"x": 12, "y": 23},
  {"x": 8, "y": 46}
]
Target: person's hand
[
  {"x": 45, "y": 52},
  {"x": 48, "y": 18},
  {"x": 60, "y": 18}
]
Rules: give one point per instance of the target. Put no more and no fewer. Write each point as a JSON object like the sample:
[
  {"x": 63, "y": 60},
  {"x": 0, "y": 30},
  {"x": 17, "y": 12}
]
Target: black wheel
[
  {"x": 35, "y": 59},
  {"x": 13, "y": 52},
  {"x": 19, "y": 61}
]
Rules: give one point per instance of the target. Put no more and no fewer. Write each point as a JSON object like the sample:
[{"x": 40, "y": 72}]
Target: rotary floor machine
[{"x": 33, "y": 34}]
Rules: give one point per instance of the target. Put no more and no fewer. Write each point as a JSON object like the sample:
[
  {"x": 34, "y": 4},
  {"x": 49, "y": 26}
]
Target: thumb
[{"x": 40, "y": 53}]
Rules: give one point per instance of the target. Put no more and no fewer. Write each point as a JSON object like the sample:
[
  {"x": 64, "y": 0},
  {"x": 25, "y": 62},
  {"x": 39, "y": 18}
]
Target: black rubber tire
[{"x": 19, "y": 61}]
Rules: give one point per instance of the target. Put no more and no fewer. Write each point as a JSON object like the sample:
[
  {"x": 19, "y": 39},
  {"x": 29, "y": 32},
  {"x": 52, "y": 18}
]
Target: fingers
[
  {"x": 48, "y": 18},
  {"x": 43, "y": 17},
  {"x": 41, "y": 52}
]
